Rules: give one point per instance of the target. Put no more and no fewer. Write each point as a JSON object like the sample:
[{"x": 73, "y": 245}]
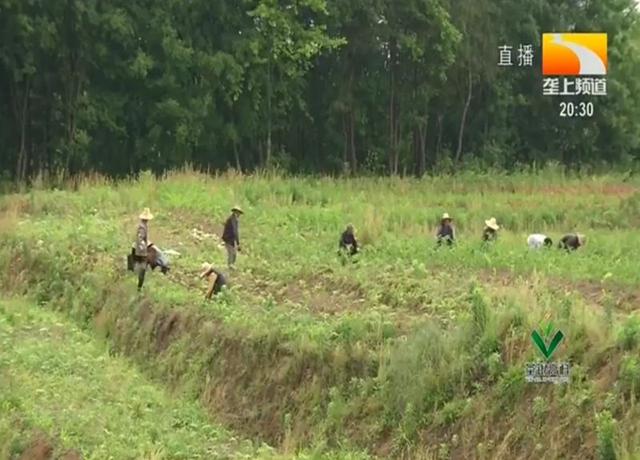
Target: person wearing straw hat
[
  {"x": 445, "y": 232},
  {"x": 141, "y": 246},
  {"x": 490, "y": 232},
  {"x": 216, "y": 280},
  {"x": 231, "y": 236},
  {"x": 572, "y": 241},
  {"x": 348, "y": 243},
  {"x": 156, "y": 258}
]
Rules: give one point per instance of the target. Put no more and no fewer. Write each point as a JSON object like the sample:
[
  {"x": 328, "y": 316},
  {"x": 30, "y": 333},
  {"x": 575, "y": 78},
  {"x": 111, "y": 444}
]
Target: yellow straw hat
[
  {"x": 237, "y": 209},
  {"x": 446, "y": 216},
  {"x": 491, "y": 223},
  {"x": 146, "y": 214}
]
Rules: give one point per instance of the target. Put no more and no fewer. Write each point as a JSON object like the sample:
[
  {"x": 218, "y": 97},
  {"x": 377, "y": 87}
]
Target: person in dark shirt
[
  {"x": 216, "y": 280},
  {"x": 231, "y": 236},
  {"x": 490, "y": 232},
  {"x": 446, "y": 232},
  {"x": 156, "y": 258},
  {"x": 348, "y": 243},
  {"x": 572, "y": 241}
]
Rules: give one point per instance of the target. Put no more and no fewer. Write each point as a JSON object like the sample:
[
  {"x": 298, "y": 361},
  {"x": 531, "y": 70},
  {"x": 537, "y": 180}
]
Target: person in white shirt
[{"x": 538, "y": 240}]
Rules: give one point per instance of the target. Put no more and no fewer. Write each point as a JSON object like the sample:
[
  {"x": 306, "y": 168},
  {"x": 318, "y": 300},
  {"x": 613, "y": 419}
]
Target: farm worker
[
  {"x": 216, "y": 280},
  {"x": 141, "y": 246},
  {"x": 445, "y": 231},
  {"x": 491, "y": 228},
  {"x": 348, "y": 242},
  {"x": 231, "y": 236},
  {"x": 156, "y": 258},
  {"x": 538, "y": 240},
  {"x": 572, "y": 241}
]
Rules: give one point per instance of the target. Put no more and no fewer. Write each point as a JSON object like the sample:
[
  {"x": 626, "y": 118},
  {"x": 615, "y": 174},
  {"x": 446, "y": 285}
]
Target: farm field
[{"x": 412, "y": 352}]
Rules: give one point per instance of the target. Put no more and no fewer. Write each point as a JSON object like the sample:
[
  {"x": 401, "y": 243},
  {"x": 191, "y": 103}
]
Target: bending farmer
[
  {"x": 216, "y": 280},
  {"x": 538, "y": 240},
  {"x": 348, "y": 243},
  {"x": 156, "y": 258},
  {"x": 572, "y": 241},
  {"x": 490, "y": 232}
]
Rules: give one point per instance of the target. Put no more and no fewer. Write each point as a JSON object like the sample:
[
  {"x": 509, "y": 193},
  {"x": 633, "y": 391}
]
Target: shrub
[
  {"x": 629, "y": 335},
  {"x": 510, "y": 387},
  {"x": 629, "y": 376},
  {"x": 606, "y": 429}
]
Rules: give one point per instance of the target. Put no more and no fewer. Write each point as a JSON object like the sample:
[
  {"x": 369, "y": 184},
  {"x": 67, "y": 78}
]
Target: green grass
[
  {"x": 58, "y": 380},
  {"x": 62, "y": 385},
  {"x": 397, "y": 353}
]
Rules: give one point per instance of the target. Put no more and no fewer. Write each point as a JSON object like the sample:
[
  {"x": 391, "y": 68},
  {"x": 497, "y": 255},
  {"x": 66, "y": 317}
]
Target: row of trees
[{"x": 393, "y": 86}]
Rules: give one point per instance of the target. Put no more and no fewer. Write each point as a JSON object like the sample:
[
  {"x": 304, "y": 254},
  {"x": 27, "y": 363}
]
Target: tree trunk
[
  {"x": 236, "y": 155},
  {"x": 420, "y": 146},
  {"x": 392, "y": 122},
  {"x": 72, "y": 81},
  {"x": 22, "y": 115},
  {"x": 45, "y": 143},
  {"x": 439, "y": 138},
  {"x": 464, "y": 118},
  {"x": 418, "y": 153},
  {"x": 345, "y": 153},
  {"x": 350, "y": 127},
  {"x": 269, "y": 95},
  {"x": 261, "y": 154},
  {"x": 396, "y": 142},
  {"x": 352, "y": 136}
]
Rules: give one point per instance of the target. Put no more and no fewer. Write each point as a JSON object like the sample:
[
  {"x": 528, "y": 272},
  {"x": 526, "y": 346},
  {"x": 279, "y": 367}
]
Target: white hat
[
  {"x": 205, "y": 266},
  {"x": 146, "y": 214},
  {"x": 446, "y": 216},
  {"x": 237, "y": 209},
  {"x": 491, "y": 223}
]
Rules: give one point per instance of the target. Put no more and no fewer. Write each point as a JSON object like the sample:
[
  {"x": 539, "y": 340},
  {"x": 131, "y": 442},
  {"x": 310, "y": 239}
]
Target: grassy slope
[
  {"x": 58, "y": 380},
  {"x": 401, "y": 350}
]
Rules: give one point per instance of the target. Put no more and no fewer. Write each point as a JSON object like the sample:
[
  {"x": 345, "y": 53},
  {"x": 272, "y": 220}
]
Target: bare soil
[
  {"x": 39, "y": 449},
  {"x": 166, "y": 326}
]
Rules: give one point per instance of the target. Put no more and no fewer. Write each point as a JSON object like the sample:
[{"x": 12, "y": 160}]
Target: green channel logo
[{"x": 547, "y": 350}]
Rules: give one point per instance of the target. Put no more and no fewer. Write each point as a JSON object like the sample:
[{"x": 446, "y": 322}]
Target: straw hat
[
  {"x": 146, "y": 214},
  {"x": 237, "y": 209},
  {"x": 205, "y": 266},
  {"x": 446, "y": 216},
  {"x": 491, "y": 223},
  {"x": 582, "y": 239}
]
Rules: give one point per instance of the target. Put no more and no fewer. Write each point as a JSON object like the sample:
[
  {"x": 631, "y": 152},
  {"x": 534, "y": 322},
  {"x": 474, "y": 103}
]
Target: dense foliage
[{"x": 310, "y": 85}]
